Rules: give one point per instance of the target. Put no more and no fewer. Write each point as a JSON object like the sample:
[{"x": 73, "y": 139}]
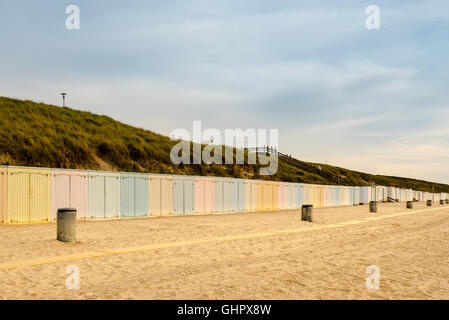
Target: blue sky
[{"x": 370, "y": 100}]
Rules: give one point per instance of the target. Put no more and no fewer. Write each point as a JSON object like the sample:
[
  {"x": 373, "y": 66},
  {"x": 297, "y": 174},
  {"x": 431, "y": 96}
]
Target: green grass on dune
[{"x": 41, "y": 135}]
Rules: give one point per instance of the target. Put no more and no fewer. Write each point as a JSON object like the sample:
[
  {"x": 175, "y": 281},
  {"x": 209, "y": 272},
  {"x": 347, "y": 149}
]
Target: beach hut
[
  {"x": 307, "y": 190},
  {"x": 222, "y": 195},
  {"x": 183, "y": 195},
  {"x": 270, "y": 195},
  {"x": 250, "y": 195},
  {"x": 204, "y": 195},
  {"x": 337, "y": 196},
  {"x": 104, "y": 195},
  {"x": 364, "y": 195},
  {"x": 348, "y": 196},
  {"x": 325, "y": 196},
  {"x": 295, "y": 195},
  {"x": 70, "y": 189},
  {"x": 391, "y": 193},
  {"x": 356, "y": 201},
  {"x": 3, "y": 194},
  {"x": 341, "y": 196},
  {"x": 160, "y": 195},
  {"x": 280, "y": 204},
  {"x": 404, "y": 195},
  {"x": 288, "y": 196},
  {"x": 301, "y": 195},
  {"x": 436, "y": 197},
  {"x": 238, "y": 194},
  {"x": 227, "y": 195},
  {"x": 134, "y": 195},
  {"x": 241, "y": 194},
  {"x": 410, "y": 194},
  {"x": 267, "y": 195},
  {"x": 331, "y": 201},
  {"x": 321, "y": 194},
  {"x": 285, "y": 196},
  {"x": 218, "y": 195},
  {"x": 28, "y": 195},
  {"x": 313, "y": 195},
  {"x": 260, "y": 185}
]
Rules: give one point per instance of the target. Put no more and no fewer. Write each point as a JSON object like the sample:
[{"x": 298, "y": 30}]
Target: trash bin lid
[{"x": 66, "y": 209}]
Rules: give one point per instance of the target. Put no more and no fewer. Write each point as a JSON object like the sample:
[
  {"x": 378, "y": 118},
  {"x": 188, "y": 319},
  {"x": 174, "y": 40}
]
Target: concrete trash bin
[
  {"x": 373, "y": 206},
  {"x": 307, "y": 213},
  {"x": 66, "y": 225},
  {"x": 409, "y": 204}
]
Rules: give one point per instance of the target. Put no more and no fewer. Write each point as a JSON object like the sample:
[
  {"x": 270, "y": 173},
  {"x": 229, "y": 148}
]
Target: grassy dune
[{"x": 41, "y": 135}]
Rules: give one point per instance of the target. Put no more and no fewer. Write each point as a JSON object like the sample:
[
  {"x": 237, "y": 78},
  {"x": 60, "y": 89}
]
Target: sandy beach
[{"x": 267, "y": 255}]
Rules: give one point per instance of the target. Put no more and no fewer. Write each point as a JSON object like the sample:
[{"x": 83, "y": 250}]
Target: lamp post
[{"x": 63, "y": 98}]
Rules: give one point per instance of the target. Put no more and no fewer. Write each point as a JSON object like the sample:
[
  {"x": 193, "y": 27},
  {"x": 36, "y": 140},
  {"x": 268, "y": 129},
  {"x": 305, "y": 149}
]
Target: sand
[{"x": 269, "y": 255}]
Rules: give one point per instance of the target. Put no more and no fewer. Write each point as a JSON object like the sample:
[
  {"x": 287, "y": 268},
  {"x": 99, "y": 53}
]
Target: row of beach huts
[{"x": 33, "y": 195}]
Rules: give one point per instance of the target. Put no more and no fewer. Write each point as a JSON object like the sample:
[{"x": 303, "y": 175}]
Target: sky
[{"x": 372, "y": 100}]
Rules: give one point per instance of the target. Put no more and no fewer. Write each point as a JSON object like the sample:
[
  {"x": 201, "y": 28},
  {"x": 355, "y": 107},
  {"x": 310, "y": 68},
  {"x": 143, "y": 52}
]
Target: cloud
[{"x": 373, "y": 101}]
